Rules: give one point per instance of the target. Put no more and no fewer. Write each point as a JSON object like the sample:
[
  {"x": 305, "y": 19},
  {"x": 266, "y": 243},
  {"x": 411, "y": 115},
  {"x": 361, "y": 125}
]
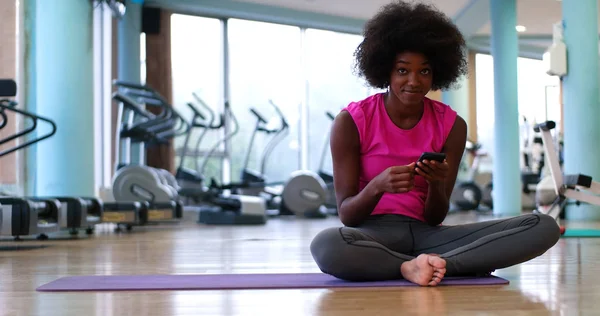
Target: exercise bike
[
  {"x": 578, "y": 187},
  {"x": 468, "y": 195},
  {"x": 531, "y": 175}
]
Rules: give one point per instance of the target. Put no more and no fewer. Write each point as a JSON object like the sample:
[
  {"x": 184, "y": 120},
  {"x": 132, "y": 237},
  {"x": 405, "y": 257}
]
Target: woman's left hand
[{"x": 433, "y": 171}]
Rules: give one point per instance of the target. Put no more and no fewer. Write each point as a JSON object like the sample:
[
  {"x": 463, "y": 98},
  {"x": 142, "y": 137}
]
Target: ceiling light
[{"x": 520, "y": 28}]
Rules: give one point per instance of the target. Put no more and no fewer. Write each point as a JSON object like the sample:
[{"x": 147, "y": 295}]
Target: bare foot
[{"x": 424, "y": 270}]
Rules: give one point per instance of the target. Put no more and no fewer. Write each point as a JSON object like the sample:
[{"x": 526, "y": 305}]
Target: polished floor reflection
[{"x": 564, "y": 281}]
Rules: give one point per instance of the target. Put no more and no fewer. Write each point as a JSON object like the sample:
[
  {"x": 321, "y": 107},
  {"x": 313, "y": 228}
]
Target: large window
[
  {"x": 265, "y": 64},
  {"x": 197, "y": 68},
  {"x": 332, "y": 84},
  {"x": 305, "y": 72},
  {"x": 538, "y": 98}
]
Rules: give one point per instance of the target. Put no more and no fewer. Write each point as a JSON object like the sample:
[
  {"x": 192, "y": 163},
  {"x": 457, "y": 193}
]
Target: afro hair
[{"x": 405, "y": 27}]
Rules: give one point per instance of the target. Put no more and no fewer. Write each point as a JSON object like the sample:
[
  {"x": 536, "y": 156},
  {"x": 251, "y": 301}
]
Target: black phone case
[{"x": 439, "y": 157}]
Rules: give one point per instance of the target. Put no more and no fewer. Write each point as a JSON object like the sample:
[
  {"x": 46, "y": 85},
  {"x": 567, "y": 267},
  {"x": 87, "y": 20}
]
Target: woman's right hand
[{"x": 396, "y": 179}]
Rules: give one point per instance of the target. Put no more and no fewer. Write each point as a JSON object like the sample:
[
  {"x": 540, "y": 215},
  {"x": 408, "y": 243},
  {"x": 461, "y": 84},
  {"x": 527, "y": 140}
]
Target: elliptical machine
[
  {"x": 213, "y": 205},
  {"x": 468, "y": 195},
  {"x": 222, "y": 208},
  {"x": 304, "y": 193},
  {"x": 192, "y": 180}
]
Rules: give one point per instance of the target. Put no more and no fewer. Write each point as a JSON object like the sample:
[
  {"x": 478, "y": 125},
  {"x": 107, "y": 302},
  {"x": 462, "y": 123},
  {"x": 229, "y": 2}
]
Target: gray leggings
[{"x": 376, "y": 249}]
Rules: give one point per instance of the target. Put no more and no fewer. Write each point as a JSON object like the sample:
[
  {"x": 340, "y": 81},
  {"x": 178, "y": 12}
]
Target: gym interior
[{"x": 170, "y": 157}]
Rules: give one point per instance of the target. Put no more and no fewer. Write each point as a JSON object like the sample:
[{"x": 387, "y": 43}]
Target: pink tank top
[{"x": 383, "y": 145}]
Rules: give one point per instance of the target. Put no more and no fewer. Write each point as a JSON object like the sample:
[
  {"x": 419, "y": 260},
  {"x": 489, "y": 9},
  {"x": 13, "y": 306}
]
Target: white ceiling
[
  {"x": 360, "y": 9},
  {"x": 537, "y": 16}
]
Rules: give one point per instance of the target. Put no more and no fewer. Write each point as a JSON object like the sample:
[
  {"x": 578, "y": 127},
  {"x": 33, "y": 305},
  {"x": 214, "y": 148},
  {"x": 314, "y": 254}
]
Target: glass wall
[
  {"x": 265, "y": 65},
  {"x": 538, "y": 98},
  {"x": 305, "y": 72},
  {"x": 332, "y": 84},
  {"x": 197, "y": 72}
]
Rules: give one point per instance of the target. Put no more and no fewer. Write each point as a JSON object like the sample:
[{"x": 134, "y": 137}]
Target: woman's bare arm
[
  {"x": 353, "y": 206},
  {"x": 438, "y": 198}
]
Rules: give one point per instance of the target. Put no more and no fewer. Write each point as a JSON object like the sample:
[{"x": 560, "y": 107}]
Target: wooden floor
[{"x": 564, "y": 281}]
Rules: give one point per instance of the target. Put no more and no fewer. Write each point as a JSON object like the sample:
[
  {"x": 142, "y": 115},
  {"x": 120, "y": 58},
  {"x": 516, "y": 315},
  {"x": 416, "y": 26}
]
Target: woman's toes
[{"x": 442, "y": 270}]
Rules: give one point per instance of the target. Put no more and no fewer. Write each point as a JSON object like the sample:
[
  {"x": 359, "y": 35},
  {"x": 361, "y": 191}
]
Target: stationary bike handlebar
[
  {"x": 196, "y": 123},
  {"x": 196, "y": 112},
  {"x": 200, "y": 165},
  {"x": 199, "y": 114},
  {"x": 142, "y": 94},
  {"x": 330, "y": 115},
  {"x": 132, "y": 105},
  {"x": 261, "y": 119},
  {"x": 280, "y": 134},
  {"x": 544, "y": 126},
  {"x": 236, "y": 128},
  {"x": 131, "y": 85},
  {"x": 154, "y": 124},
  {"x": 204, "y": 105},
  {"x": 144, "y": 97},
  {"x": 156, "y": 127},
  {"x": 258, "y": 116},
  {"x": 284, "y": 123}
]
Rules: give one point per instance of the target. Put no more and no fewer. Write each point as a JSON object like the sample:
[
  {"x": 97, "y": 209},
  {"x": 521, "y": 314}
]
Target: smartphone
[{"x": 439, "y": 157}]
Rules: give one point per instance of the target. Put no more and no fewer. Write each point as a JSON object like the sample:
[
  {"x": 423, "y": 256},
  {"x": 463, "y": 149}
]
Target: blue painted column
[
  {"x": 65, "y": 89},
  {"x": 580, "y": 97},
  {"x": 129, "y": 30},
  {"x": 506, "y": 164},
  {"x": 458, "y": 99}
]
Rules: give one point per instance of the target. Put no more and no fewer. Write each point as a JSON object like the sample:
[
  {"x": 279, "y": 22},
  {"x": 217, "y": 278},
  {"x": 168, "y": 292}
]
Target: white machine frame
[{"x": 579, "y": 187}]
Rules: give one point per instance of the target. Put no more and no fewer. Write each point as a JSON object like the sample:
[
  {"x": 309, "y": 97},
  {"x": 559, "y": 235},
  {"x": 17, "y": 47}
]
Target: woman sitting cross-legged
[{"x": 392, "y": 206}]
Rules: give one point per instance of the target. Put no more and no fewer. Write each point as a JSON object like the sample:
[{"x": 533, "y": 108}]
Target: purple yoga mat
[{"x": 232, "y": 282}]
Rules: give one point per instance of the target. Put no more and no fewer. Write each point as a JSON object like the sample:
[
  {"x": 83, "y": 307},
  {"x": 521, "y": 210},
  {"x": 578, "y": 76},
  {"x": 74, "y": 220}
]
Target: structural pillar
[
  {"x": 159, "y": 77},
  {"x": 580, "y": 96},
  {"x": 506, "y": 164},
  {"x": 65, "y": 89},
  {"x": 129, "y": 55},
  {"x": 458, "y": 98}
]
